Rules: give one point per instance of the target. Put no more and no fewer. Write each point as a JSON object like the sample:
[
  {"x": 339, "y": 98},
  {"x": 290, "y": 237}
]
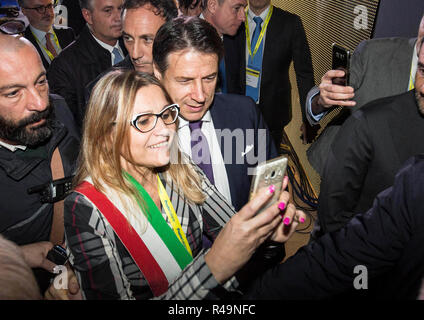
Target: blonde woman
[{"x": 135, "y": 221}]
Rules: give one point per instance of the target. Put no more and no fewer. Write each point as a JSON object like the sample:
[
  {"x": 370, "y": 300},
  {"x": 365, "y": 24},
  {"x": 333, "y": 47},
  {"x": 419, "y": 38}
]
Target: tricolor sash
[{"x": 155, "y": 249}]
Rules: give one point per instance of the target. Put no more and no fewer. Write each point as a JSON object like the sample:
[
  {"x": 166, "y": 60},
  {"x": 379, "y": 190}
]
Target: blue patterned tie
[
  {"x": 117, "y": 56},
  {"x": 256, "y": 61},
  {"x": 201, "y": 154}
]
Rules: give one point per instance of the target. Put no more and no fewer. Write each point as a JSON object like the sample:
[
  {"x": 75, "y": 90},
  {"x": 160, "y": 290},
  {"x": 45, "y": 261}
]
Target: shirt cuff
[{"x": 313, "y": 118}]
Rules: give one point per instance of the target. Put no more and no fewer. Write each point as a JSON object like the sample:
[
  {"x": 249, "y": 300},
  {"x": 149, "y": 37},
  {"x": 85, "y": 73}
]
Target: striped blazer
[{"x": 106, "y": 270}]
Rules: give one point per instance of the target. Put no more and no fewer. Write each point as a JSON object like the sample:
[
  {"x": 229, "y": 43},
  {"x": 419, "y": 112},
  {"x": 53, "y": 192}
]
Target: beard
[
  {"x": 419, "y": 97},
  {"x": 20, "y": 132}
]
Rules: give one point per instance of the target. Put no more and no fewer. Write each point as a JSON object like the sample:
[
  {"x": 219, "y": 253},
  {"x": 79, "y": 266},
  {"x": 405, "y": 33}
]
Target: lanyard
[
  {"x": 172, "y": 216},
  {"x": 411, "y": 79},
  {"x": 261, "y": 35},
  {"x": 44, "y": 47}
]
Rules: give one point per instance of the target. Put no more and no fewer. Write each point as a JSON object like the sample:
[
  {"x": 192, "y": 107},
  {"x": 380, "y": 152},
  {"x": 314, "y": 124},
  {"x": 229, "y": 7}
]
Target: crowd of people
[{"x": 127, "y": 147}]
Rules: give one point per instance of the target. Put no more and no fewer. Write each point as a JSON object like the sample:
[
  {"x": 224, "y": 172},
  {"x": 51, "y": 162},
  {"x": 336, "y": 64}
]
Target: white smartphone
[{"x": 269, "y": 173}]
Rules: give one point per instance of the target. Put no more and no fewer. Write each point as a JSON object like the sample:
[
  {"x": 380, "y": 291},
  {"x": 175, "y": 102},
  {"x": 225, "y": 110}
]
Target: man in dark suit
[
  {"x": 96, "y": 49},
  {"x": 368, "y": 150},
  {"x": 393, "y": 60},
  {"x": 258, "y": 65},
  {"x": 384, "y": 244},
  {"x": 187, "y": 66},
  {"x": 224, "y": 134},
  {"x": 47, "y": 39}
]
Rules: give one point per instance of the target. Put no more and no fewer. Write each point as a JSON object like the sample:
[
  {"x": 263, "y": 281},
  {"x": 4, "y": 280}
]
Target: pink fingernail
[
  {"x": 271, "y": 189},
  {"x": 286, "y": 221},
  {"x": 302, "y": 220},
  {"x": 281, "y": 206}
]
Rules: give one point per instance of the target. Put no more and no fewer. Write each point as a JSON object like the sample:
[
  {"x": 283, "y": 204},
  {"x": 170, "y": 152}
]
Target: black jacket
[
  {"x": 24, "y": 219},
  {"x": 64, "y": 35},
  {"x": 363, "y": 160},
  {"x": 285, "y": 41},
  {"x": 74, "y": 68},
  {"x": 387, "y": 240}
]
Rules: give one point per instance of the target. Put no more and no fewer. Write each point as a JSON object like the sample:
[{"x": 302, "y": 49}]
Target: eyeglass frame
[
  {"x": 44, "y": 8},
  {"x": 133, "y": 121}
]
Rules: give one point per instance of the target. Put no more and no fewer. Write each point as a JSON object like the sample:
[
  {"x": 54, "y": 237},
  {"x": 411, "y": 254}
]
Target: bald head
[{"x": 13, "y": 43}]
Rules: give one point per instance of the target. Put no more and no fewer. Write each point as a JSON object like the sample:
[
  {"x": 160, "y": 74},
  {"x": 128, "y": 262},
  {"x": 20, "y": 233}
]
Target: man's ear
[
  {"x": 212, "y": 5},
  {"x": 87, "y": 16},
  {"x": 156, "y": 72}
]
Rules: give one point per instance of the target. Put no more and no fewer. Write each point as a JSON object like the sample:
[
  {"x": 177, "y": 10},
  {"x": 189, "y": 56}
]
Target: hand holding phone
[
  {"x": 269, "y": 173},
  {"x": 341, "y": 61}
]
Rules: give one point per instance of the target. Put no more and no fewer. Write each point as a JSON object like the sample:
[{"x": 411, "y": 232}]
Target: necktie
[
  {"x": 222, "y": 76},
  {"x": 258, "y": 29},
  {"x": 255, "y": 62},
  {"x": 200, "y": 150},
  {"x": 49, "y": 45},
  {"x": 117, "y": 56}
]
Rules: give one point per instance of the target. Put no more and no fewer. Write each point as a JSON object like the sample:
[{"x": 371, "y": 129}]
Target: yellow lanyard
[
  {"x": 411, "y": 80},
  {"x": 261, "y": 35},
  {"x": 44, "y": 47},
  {"x": 172, "y": 216}
]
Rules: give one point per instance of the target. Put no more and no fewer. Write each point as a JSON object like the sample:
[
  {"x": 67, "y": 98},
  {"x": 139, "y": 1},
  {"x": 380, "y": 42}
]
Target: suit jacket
[
  {"x": 233, "y": 113},
  {"x": 369, "y": 149},
  {"x": 387, "y": 240},
  {"x": 285, "y": 41},
  {"x": 75, "y": 67},
  {"x": 64, "y": 35},
  {"x": 379, "y": 68}
]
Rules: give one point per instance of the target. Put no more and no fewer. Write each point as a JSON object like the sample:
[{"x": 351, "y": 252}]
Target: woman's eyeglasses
[{"x": 145, "y": 122}]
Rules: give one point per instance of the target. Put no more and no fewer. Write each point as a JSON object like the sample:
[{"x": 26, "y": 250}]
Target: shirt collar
[
  {"x": 263, "y": 15},
  {"x": 12, "y": 147},
  {"x": 105, "y": 45},
  {"x": 41, "y": 35},
  {"x": 206, "y": 118}
]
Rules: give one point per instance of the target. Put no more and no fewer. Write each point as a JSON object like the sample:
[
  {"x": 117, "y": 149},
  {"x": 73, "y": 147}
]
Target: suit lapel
[{"x": 222, "y": 121}]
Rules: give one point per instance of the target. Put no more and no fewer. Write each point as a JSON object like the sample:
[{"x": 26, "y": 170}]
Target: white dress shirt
[
  {"x": 12, "y": 147},
  {"x": 110, "y": 48},
  {"x": 218, "y": 166}
]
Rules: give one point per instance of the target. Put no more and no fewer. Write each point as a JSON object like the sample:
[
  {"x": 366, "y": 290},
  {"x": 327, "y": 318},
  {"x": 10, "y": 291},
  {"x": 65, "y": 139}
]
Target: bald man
[{"x": 33, "y": 124}]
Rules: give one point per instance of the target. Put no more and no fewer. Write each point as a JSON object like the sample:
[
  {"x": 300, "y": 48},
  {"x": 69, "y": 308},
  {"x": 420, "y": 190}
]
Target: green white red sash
[{"x": 153, "y": 246}]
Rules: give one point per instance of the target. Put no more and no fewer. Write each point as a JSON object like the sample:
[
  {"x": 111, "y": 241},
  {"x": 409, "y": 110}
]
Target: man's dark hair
[
  {"x": 164, "y": 8},
  {"x": 188, "y": 4},
  {"x": 185, "y": 33},
  {"x": 86, "y": 4}
]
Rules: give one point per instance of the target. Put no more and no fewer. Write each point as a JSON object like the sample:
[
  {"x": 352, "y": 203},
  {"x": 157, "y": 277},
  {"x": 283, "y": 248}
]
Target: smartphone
[
  {"x": 341, "y": 61},
  {"x": 57, "y": 255},
  {"x": 269, "y": 173}
]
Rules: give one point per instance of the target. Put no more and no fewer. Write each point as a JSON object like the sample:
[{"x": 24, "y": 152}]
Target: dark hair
[
  {"x": 185, "y": 33},
  {"x": 86, "y": 4},
  {"x": 164, "y": 8},
  {"x": 188, "y": 4}
]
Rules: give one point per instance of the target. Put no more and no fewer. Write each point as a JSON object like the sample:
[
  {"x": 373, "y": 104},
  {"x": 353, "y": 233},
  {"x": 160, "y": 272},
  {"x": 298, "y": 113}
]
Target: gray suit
[{"x": 379, "y": 68}]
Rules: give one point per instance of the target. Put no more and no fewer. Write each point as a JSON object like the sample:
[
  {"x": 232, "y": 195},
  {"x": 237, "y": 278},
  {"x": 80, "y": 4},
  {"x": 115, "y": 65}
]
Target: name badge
[{"x": 252, "y": 77}]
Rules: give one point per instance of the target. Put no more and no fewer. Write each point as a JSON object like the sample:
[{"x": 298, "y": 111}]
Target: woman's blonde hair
[{"x": 106, "y": 136}]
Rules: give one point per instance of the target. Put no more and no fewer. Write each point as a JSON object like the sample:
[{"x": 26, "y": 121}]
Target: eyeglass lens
[{"x": 147, "y": 122}]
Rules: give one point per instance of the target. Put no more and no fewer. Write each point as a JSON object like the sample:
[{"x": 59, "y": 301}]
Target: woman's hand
[
  {"x": 243, "y": 234},
  {"x": 290, "y": 216}
]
